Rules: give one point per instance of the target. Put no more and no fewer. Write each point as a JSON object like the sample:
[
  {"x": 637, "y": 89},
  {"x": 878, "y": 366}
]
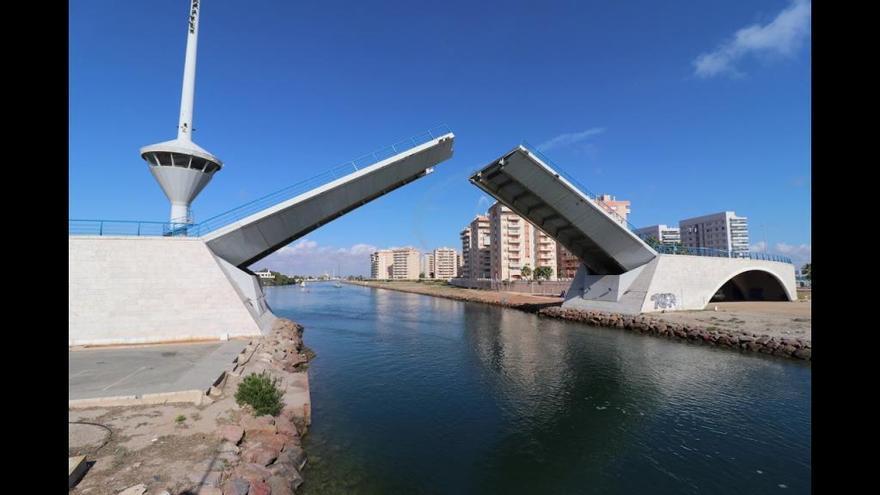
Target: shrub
[
  {"x": 180, "y": 419},
  {"x": 260, "y": 392}
]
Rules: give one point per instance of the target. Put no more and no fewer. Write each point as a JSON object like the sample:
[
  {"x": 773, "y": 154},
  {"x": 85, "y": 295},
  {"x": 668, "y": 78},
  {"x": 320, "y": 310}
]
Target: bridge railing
[
  {"x": 125, "y": 228},
  {"x": 720, "y": 253},
  {"x": 594, "y": 197},
  {"x": 137, "y": 228},
  {"x": 337, "y": 172}
]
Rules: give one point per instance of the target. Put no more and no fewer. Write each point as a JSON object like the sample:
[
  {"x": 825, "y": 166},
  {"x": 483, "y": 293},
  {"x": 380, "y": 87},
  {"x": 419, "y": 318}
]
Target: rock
[
  {"x": 754, "y": 346},
  {"x": 236, "y": 486},
  {"x": 286, "y": 426},
  {"x": 725, "y": 341},
  {"x": 261, "y": 454},
  {"x": 804, "y": 353},
  {"x": 785, "y": 350},
  {"x": 744, "y": 339},
  {"x": 260, "y": 488},
  {"x": 208, "y": 490},
  {"x": 272, "y": 441},
  {"x": 253, "y": 425},
  {"x": 138, "y": 489},
  {"x": 292, "y": 455},
  {"x": 252, "y": 472},
  {"x": 280, "y": 485},
  {"x": 232, "y": 433}
]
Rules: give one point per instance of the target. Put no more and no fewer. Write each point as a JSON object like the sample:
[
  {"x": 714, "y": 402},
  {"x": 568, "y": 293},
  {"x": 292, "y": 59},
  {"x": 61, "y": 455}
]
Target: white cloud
[
  {"x": 307, "y": 257},
  {"x": 799, "y": 254},
  {"x": 781, "y": 37},
  {"x": 569, "y": 139}
]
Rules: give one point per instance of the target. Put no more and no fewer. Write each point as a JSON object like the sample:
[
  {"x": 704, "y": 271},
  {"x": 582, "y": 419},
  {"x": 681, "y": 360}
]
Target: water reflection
[{"x": 413, "y": 394}]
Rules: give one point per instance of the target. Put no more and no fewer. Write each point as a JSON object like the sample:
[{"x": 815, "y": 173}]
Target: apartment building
[
  {"x": 444, "y": 263},
  {"x": 724, "y": 231},
  {"x": 406, "y": 264},
  {"x": 479, "y": 263},
  {"x": 464, "y": 270},
  {"x": 511, "y": 243},
  {"x": 567, "y": 264},
  {"x": 545, "y": 253},
  {"x": 663, "y": 234},
  {"x": 380, "y": 264}
]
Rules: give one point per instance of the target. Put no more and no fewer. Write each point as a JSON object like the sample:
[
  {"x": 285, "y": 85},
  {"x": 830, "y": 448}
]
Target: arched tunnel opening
[{"x": 753, "y": 285}]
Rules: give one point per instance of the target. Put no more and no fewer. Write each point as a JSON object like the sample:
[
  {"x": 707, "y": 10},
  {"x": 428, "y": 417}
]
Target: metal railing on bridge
[
  {"x": 719, "y": 253},
  {"x": 137, "y": 228}
]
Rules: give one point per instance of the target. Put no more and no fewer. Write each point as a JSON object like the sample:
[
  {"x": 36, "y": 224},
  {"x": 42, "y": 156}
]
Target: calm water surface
[{"x": 415, "y": 394}]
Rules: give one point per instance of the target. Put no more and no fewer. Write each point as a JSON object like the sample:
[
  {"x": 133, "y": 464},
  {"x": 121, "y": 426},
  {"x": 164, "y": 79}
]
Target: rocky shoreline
[
  {"x": 264, "y": 454},
  {"x": 783, "y": 347}
]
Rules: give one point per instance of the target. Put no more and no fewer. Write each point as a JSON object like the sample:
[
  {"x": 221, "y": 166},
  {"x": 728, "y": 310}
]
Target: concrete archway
[{"x": 752, "y": 285}]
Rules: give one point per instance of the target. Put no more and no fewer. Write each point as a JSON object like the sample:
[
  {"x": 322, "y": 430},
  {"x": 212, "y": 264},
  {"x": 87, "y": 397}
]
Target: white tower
[{"x": 183, "y": 168}]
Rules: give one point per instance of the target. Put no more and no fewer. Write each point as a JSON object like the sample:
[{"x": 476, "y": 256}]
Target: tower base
[{"x": 135, "y": 290}]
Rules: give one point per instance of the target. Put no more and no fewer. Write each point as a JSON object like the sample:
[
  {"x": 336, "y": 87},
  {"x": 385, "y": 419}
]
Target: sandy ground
[
  {"x": 779, "y": 319},
  {"x": 484, "y": 296}
]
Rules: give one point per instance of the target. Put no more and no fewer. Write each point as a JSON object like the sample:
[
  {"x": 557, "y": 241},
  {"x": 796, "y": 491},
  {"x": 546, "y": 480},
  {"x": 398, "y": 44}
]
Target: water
[{"x": 415, "y": 394}]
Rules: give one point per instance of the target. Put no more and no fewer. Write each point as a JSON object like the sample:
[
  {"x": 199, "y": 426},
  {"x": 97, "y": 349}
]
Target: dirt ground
[
  {"x": 150, "y": 445},
  {"x": 777, "y": 319}
]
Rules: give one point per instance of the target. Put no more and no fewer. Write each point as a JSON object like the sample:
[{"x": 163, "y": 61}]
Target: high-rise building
[
  {"x": 545, "y": 253},
  {"x": 479, "y": 264},
  {"x": 516, "y": 243},
  {"x": 380, "y": 264},
  {"x": 663, "y": 234},
  {"x": 445, "y": 264},
  {"x": 464, "y": 264},
  {"x": 511, "y": 243},
  {"x": 723, "y": 231},
  {"x": 406, "y": 264}
]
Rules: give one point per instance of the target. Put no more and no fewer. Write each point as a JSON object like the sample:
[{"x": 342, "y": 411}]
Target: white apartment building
[
  {"x": 516, "y": 243},
  {"x": 510, "y": 244},
  {"x": 406, "y": 264},
  {"x": 663, "y": 234},
  {"x": 724, "y": 231},
  {"x": 445, "y": 264},
  {"x": 380, "y": 264},
  {"x": 266, "y": 273}
]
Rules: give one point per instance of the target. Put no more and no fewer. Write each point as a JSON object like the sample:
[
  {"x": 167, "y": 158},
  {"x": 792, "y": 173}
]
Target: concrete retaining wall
[{"x": 126, "y": 290}]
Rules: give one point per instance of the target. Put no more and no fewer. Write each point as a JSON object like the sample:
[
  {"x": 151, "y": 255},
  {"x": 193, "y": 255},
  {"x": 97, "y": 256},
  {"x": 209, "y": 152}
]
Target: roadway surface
[{"x": 138, "y": 370}]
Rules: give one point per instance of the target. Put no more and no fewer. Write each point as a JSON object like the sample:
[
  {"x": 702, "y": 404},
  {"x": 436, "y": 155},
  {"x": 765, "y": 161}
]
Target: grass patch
[
  {"x": 261, "y": 393},
  {"x": 180, "y": 418}
]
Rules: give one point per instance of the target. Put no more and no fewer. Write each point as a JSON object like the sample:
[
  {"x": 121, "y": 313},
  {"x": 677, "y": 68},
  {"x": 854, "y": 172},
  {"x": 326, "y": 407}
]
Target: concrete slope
[
  {"x": 524, "y": 183},
  {"x": 247, "y": 241}
]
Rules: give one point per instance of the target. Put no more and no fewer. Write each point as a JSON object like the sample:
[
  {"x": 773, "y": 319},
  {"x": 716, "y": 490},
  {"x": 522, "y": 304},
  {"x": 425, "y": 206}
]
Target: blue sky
[{"x": 682, "y": 107}]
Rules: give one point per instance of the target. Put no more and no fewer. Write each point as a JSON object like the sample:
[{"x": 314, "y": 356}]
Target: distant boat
[
  {"x": 337, "y": 285},
  {"x": 302, "y": 283}
]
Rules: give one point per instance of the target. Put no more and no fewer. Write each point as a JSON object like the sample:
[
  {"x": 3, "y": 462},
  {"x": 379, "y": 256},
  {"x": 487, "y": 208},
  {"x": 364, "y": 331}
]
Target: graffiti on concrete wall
[{"x": 664, "y": 300}]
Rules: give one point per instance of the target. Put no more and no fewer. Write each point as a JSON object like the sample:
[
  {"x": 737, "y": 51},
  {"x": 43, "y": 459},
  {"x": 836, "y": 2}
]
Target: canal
[{"x": 416, "y": 394}]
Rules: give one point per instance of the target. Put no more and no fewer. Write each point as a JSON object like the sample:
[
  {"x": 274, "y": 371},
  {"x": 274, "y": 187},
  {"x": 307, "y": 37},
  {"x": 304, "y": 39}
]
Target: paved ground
[{"x": 136, "y": 370}]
